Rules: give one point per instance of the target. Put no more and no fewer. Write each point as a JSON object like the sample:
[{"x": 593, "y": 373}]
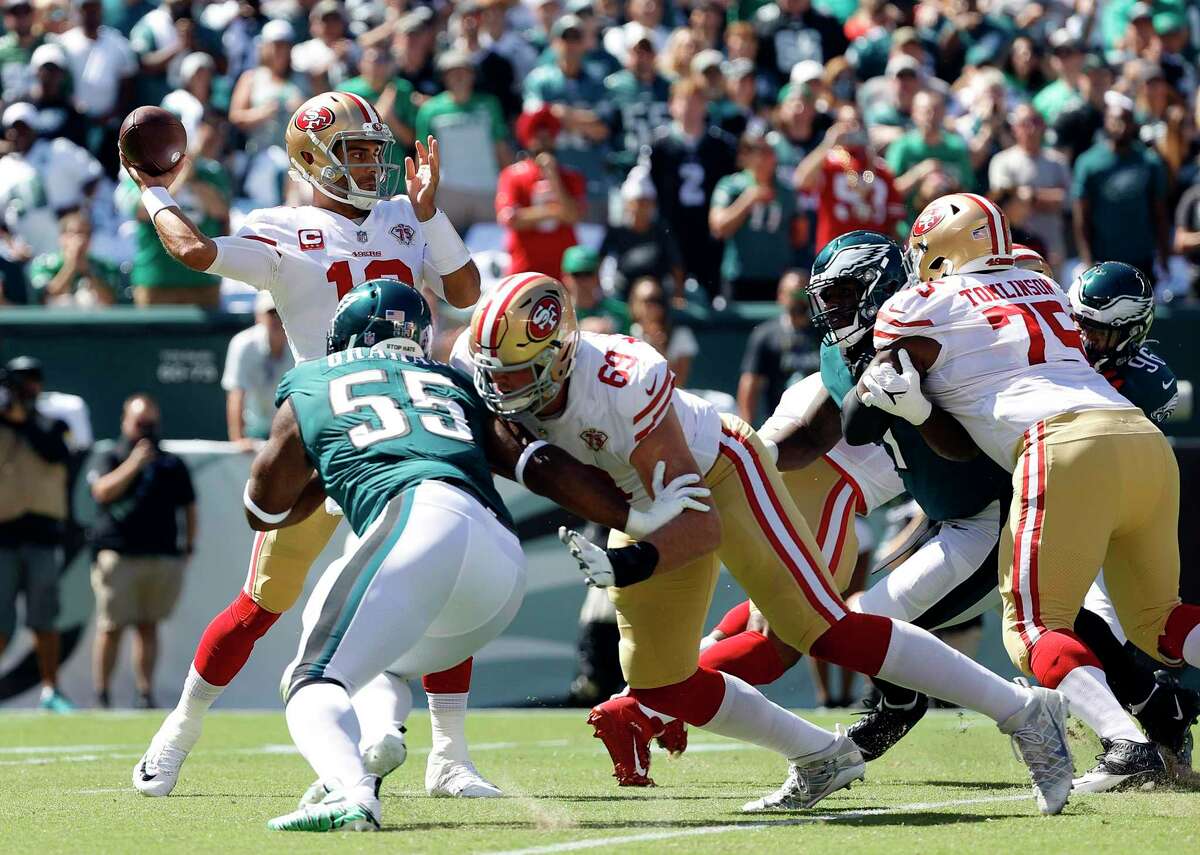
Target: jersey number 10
[
  {"x": 1033, "y": 315},
  {"x": 381, "y": 268}
]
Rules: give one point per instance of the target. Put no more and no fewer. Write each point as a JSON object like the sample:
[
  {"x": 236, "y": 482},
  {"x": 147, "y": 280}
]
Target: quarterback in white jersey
[
  {"x": 356, "y": 229},
  {"x": 1094, "y": 481}
]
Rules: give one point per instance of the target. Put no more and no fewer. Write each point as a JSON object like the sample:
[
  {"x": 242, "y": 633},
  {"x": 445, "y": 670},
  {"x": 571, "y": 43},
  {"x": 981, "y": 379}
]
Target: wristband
[
  {"x": 530, "y": 450},
  {"x": 632, "y": 564},
  {"x": 156, "y": 199},
  {"x": 447, "y": 252},
  {"x": 268, "y": 518}
]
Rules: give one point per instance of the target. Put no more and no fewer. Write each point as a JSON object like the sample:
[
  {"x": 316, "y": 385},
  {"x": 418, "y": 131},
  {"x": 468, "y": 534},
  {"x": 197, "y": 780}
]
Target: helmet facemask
[
  {"x": 842, "y": 308},
  {"x": 1107, "y": 345},
  {"x": 534, "y": 395},
  {"x": 336, "y": 178}
]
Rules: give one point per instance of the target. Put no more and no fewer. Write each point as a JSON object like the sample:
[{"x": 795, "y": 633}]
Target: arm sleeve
[{"x": 255, "y": 262}]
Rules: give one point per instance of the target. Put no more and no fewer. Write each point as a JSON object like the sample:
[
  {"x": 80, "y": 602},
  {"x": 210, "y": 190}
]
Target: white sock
[
  {"x": 1093, "y": 701},
  {"x": 746, "y": 714},
  {"x": 382, "y": 706},
  {"x": 1191, "y": 647},
  {"x": 324, "y": 727},
  {"x": 448, "y": 721},
  {"x": 917, "y": 660},
  {"x": 197, "y": 696}
]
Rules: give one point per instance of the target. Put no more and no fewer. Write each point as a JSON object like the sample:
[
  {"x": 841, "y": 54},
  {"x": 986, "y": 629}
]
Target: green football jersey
[
  {"x": 945, "y": 489},
  {"x": 1149, "y": 384},
  {"x": 377, "y": 425}
]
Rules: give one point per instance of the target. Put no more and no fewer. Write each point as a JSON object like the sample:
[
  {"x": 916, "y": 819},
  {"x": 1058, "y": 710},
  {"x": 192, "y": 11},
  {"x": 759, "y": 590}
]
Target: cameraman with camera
[
  {"x": 138, "y": 572},
  {"x": 33, "y": 511}
]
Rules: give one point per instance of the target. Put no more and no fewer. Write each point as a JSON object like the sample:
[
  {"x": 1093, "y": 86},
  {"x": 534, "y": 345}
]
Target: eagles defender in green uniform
[{"x": 406, "y": 447}]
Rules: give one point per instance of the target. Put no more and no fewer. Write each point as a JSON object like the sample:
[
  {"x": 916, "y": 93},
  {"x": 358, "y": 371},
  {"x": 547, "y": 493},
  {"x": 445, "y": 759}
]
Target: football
[{"x": 153, "y": 139}]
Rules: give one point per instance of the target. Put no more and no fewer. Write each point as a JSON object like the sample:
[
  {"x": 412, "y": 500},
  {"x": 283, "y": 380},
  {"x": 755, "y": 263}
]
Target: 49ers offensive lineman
[
  {"x": 308, "y": 257},
  {"x": 1094, "y": 480}
]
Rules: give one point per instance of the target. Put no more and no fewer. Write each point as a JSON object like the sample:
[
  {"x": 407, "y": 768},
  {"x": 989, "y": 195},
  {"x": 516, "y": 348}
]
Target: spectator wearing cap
[
  {"x": 1077, "y": 126},
  {"x": 72, "y": 276},
  {"x": 494, "y": 73},
  {"x": 799, "y": 124},
  {"x": 779, "y": 351},
  {"x": 413, "y": 47},
  {"x": 391, "y": 95},
  {"x": 263, "y": 101},
  {"x": 1139, "y": 33},
  {"x": 791, "y": 31},
  {"x": 54, "y": 17},
  {"x": 1065, "y": 93},
  {"x": 1120, "y": 191},
  {"x": 255, "y": 362},
  {"x": 17, "y": 45},
  {"x": 162, "y": 40},
  {"x": 641, "y": 245},
  {"x": 929, "y": 146},
  {"x": 39, "y": 179},
  {"x": 854, "y": 187},
  {"x": 51, "y": 96},
  {"x": 194, "y": 94},
  {"x": 497, "y": 35},
  {"x": 639, "y": 95},
  {"x": 596, "y": 311},
  {"x": 1032, "y": 184},
  {"x": 687, "y": 159},
  {"x": 651, "y": 321},
  {"x": 104, "y": 69},
  {"x": 137, "y": 574},
  {"x": 538, "y": 201},
  {"x": 755, "y": 215},
  {"x": 889, "y": 114},
  {"x": 473, "y": 137},
  {"x": 579, "y": 102},
  {"x": 597, "y": 61},
  {"x": 1176, "y": 53},
  {"x": 33, "y": 511},
  {"x": 329, "y": 57},
  {"x": 741, "y": 42},
  {"x": 1163, "y": 122},
  {"x": 741, "y": 102},
  {"x": 645, "y": 21}
]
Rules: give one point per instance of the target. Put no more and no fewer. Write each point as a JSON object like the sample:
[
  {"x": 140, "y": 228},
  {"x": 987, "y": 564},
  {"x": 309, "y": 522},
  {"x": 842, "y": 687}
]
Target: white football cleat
[
  {"x": 458, "y": 779},
  {"x": 1039, "y": 737},
  {"x": 387, "y": 755},
  {"x": 157, "y": 772},
  {"x": 340, "y": 810},
  {"x": 814, "y": 776}
]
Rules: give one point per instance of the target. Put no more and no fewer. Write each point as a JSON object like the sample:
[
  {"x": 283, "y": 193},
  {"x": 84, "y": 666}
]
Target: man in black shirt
[
  {"x": 686, "y": 161},
  {"x": 138, "y": 572},
  {"x": 791, "y": 31},
  {"x": 780, "y": 351},
  {"x": 642, "y": 245}
]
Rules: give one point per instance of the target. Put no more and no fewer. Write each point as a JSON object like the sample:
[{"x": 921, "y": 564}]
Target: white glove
[
  {"x": 772, "y": 448},
  {"x": 669, "y": 502},
  {"x": 898, "y": 394},
  {"x": 333, "y": 508},
  {"x": 593, "y": 561}
]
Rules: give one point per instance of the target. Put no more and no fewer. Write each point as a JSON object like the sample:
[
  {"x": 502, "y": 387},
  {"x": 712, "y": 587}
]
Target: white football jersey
[
  {"x": 868, "y": 467},
  {"x": 1010, "y": 354},
  {"x": 620, "y": 390},
  {"x": 324, "y": 255}
]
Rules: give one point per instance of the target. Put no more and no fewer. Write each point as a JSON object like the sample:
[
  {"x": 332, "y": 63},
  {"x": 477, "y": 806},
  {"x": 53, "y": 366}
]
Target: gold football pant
[
  {"x": 828, "y": 501},
  {"x": 767, "y": 546},
  {"x": 1090, "y": 489},
  {"x": 281, "y": 558}
]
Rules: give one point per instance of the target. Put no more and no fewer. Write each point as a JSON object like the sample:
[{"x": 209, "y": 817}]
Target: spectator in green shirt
[
  {"x": 928, "y": 147},
  {"x": 390, "y": 94},
  {"x": 597, "y": 312},
  {"x": 1120, "y": 192},
  {"x": 72, "y": 276},
  {"x": 755, "y": 214},
  {"x": 1066, "y": 92},
  {"x": 16, "y": 49},
  {"x": 473, "y": 138}
]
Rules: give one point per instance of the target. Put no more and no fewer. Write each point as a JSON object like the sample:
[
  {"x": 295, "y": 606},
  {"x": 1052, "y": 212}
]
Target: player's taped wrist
[
  {"x": 523, "y": 461},
  {"x": 447, "y": 252},
  {"x": 156, "y": 199},
  {"x": 632, "y": 564},
  {"x": 266, "y": 516}
]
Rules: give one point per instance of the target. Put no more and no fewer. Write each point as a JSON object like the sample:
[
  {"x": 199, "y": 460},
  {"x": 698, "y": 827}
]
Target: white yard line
[{"x": 704, "y": 830}]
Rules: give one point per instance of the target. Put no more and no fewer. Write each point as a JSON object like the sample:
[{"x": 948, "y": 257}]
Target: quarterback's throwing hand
[
  {"x": 896, "y": 393},
  {"x": 593, "y": 562},
  {"x": 421, "y": 178},
  {"x": 682, "y": 494}
]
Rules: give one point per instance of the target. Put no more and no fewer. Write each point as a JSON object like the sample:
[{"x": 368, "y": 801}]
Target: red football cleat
[
  {"x": 673, "y": 738},
  {"x": 626, "y": 732}
]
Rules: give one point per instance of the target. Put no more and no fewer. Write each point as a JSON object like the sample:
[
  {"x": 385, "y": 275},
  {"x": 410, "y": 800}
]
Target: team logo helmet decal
[
  {"x": 928, "y": 220},
  {"x": 544, "y": 318},
  {"x": 315, "y": 119}
]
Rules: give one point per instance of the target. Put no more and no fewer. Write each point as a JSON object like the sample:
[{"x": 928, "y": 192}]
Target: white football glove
[
  {"x": 772, "y": 448},
  {"x": 669, "y": 502},
  {"x": 593, "y": 561},
  {"x": 898, "y": 394},
  {"x": 332, "y": 508}
]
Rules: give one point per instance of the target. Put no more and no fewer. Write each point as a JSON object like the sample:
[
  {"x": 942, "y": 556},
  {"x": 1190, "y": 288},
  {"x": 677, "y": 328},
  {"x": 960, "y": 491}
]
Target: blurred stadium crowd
[{"x": 707, "y": 145}]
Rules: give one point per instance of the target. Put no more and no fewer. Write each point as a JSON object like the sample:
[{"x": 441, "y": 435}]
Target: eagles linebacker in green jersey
[{"x": 406, "y": 447}]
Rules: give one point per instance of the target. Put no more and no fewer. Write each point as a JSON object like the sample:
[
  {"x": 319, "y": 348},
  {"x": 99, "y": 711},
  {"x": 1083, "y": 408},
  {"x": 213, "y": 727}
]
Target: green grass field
[{"x": 953, "y": 786}]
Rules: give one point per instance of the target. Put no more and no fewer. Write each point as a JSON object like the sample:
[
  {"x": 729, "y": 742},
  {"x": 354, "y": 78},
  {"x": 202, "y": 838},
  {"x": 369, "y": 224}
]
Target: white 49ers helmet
[
  {"x": 959, "y": 233},
  {"x": 526, "y": 324},
  {"x": 317, "y": 138}
]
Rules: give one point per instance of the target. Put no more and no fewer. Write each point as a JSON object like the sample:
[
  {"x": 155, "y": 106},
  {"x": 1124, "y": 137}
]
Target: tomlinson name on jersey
[{"x": 993, "y": 291}]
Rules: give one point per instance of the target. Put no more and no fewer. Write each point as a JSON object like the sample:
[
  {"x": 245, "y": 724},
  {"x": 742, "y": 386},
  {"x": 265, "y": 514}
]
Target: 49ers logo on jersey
[
  {"x": 544, "y": 318},
  {"x": 315, "y": 119},
  {"x": 927, "y": 221},
  {"x": 593, "y": 438}
]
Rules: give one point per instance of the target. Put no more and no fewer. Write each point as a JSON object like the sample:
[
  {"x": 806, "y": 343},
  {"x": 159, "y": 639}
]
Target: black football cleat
[
  {"x": 882, "y": 726},
  {"x": 1124, "y": 765}
]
